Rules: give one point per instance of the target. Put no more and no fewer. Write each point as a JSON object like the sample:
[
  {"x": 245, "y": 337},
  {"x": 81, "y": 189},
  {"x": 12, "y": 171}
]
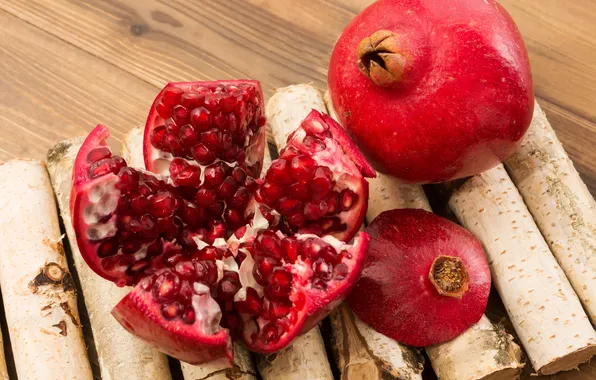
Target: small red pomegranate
[
  {"x": 214, "y": 252},
  {"x": 432, "y": 90},
  {"x": 429, "y": 274}
]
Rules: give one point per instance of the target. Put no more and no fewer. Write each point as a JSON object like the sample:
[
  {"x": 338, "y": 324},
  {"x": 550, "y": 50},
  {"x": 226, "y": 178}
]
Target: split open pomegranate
[
  {"x": 214, "y": 252},
  {"x": 430, "y": 275}
]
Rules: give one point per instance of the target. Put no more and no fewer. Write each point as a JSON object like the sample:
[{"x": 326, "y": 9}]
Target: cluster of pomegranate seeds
[
  {"x": 305, "y": 194},
  {"x": 208, "y": 121}
]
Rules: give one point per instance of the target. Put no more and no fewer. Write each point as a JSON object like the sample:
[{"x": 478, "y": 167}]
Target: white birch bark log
[
  {"x": 483, "y": 351},
  {"x": 544, "y": 309},
  {"x": 121, "y": 355},
  {"x": 3, "y": 369},
  {"x": 560, "y": 202},
  {"x": 38, "y": 290},
  {"x": 132, "y": 152}
]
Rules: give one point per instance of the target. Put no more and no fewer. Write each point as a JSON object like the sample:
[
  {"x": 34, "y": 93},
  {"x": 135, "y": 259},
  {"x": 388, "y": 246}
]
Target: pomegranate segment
[
  {"x": 203, "y": 123},
  {"x": 317, "y": 184}
]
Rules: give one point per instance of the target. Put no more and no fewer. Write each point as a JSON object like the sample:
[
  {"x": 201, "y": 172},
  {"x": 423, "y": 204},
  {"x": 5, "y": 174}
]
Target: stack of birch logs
[{"x": 533, "y": 215}]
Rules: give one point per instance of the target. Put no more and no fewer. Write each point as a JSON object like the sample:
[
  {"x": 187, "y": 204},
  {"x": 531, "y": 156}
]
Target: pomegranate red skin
[
  {"x": 465, "y": 98},
  {"x": 395, "y": 295}
]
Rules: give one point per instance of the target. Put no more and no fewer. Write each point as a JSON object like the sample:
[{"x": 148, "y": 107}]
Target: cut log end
[{"x": 569, "y": 361}]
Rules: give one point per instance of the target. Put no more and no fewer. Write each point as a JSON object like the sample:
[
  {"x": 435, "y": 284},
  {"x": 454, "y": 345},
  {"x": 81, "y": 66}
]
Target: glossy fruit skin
[
  {"x": 465, "y": 99},
  {"x": 395, "y": 295}
]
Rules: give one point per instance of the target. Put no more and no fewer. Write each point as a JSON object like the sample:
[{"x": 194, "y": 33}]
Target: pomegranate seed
[
  {"x": 267, "y": 244},
  {"x": 278, "y": 309},
  {"x": 332, "y": 202},
  {"x": 290, "y": 249},
  {"x": 279, "y": 172},
  {"x": 321, "y": 183},
  {"x": 206, "y": 272},
  {"x": 192, "y": 215},
  {"x": 261, "y": 121},
  {"x": 146, "y": 283},
  {"x": 172, "y": 95},
  {"x": 210, "y": 253},
  {"x": 234, "y": 218},
  {"x": 98, "y": 154},
  {"x": 270, "y": 333},
  {"x": 214, "y": 175},
  {"x": 107, "y": 248},
  {"x": 311, "y": 248},
  {"x": 186, "y": 292},
  {"x": 228, "y": 286},
  {"x": 271, "y": 192},
  {"x": 322, "y": 269},
  {"x": 172, "y": 128},
  {"x": 186, "y": 270},
  {"x": 138, "y": 266},
  {"x": 166, "y": 287},
  {"x": 129, "y": 179},
  {"x": 239, "y": 175},
  {"x": 263, "y": 268},
  {"x": 341, "y": 271},
  {"x": 191, "y": 176},
  {"x": 217, "y": 209},
  {"x": 130, "y": 246},
  {"x": 240, "y": 198},
  {"x": 162, "y": 204},
  {"x": 252, "y": 305},
  {"x": 177, "y": 166},
  {"x": 296, "y": 220},
  {"x": 173, "y": 145},
  {"x": 191, "y": 100},
  {"x": 172, "y": 258},
  {"x": 180, "y": 115},
  {"x": 348, "y": 199},
  {"x": 211, "y": 103},
  {"x": 314, "y": 144},
  {"x": 109, "y": 263},
  {"x": 228, "y": 104},
  {"x": 206, "y": 197},
  {"x": 319, "y": 284},
  {"x": 163, "y": 110},
  {"x": 211, "y": 139},
  {"x": 189, "y": 316},
  {"x": 99, "y": 168},
  {"x": 314, "y": 210},
  {"x": 232, "y": 322},
  {"x": 148, "y": 226},
  {"x": 200, "y": 118},
  {"x": 300, "y": 191},
  {"x": 302, "y": 167},
  {"x": 217, "y": 230},
  {"x": 228, "y": 188},
  {"x": 171, "y": 310},
  {"x": 169, "y": 227},
  {"x": 289, "y": 206},
  {"x": 202, "y": 154},
  {"x": 188, "y": 136},
  {"x": 280, "y": 284},
  {"x": 157, "y": 137}
]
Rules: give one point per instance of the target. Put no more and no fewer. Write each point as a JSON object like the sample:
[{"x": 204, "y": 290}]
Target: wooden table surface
[{"x": 67, "y": 65}]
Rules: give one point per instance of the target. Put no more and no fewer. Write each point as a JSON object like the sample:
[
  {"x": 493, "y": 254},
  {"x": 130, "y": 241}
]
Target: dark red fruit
[
  {"x": 430, "y": 275},
  {"x": 443, "y": 92}
]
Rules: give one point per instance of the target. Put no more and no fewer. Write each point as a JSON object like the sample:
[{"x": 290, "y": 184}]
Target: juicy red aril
[
  {"x": 290, "y": 247},
  {"x": 228, "y": 187},
  {"x": 166, "y": 287},
  {"x": 211, "y": 139},
  {"x": 214, "y": 175},
  {"x": 314, "y": 144},
  {"x": 279, "y": 172},
  {"x": 321, "y": 182},
  {"x": 348, "y": 199},
  {"x": 187, "y": 136},
  {"x": 302, "y": 167},
  {"x": 98, "y": 154},
  {"x": 270, "y": 333},
  {"x": 202, "y": 154},
  {"x": 200, "y": 118},
  {"x": 289, "y": 206},
  {"x": 162, "y": 204},
  {"x": 180, "y": 115},
  {"x": 107, "y": 248},
  {"x": 228, "y": 286},
  {"x": 314, "y": 210},
  {"x": 267, "y": 244},
  {"x": 263, "y": 269},
  {"x": 206, "y": 272},
  {"x": 105, "y": 166},
  {"x": 252, "y": 305},
  {"x": 280, "y": 283},
  {"x": 129, "y": 179},
  {"x": 189, "y": 315},
  {"x": 191, "y": 177},
  {"x": 171, "y": 310},
  {"x": 185, "y": 270},
  {"x": 322, "y": 269},
  {"x": 279, "y": 309},
  {"x": 206, "y": 197},
  {"x": 158, "y": 137},
  {"x": 271, "y": 192}
]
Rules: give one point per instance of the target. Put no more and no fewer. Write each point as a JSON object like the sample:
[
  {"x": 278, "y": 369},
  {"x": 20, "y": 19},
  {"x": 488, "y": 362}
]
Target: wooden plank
[{"x": 51, "y": 90}]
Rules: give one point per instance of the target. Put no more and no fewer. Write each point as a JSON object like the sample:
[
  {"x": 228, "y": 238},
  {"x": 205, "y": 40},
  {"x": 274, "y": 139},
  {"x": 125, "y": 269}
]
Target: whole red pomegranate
[
  {"x": 214, "y": 251},
  {"x": 432, "y": 90}
]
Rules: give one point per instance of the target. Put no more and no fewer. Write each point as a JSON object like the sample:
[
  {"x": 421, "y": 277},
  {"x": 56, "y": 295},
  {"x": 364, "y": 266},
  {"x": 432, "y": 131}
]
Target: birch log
[
  {"x": 120, "y": 354},
  {"x": 560, "y": 202},
  {"x": 306, "y": 357},
  {"x": 132, "y": 152},
  {"x": 484, "y": 351},
  {"x": 37, "y": 288},
  {"x": 544, "y": 309},
  {"x": 3, "y": 369}
]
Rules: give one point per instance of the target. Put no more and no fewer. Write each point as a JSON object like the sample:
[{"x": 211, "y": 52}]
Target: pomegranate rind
[
  {"x": 254, "y": 152},
  {"x": 317, "y": 303},
  {"x": 97, "y": 138},
  {"x": 141, "y": 316},
  {"x": 395, "y": 295}
]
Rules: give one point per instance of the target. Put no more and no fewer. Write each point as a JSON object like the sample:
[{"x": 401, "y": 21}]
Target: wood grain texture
[{"x": 69, "y": 64}]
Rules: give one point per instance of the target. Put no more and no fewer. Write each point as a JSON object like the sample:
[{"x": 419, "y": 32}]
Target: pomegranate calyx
[
  {"x": 381, "y": 59},
  {"x": 449, "y": 276}
]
